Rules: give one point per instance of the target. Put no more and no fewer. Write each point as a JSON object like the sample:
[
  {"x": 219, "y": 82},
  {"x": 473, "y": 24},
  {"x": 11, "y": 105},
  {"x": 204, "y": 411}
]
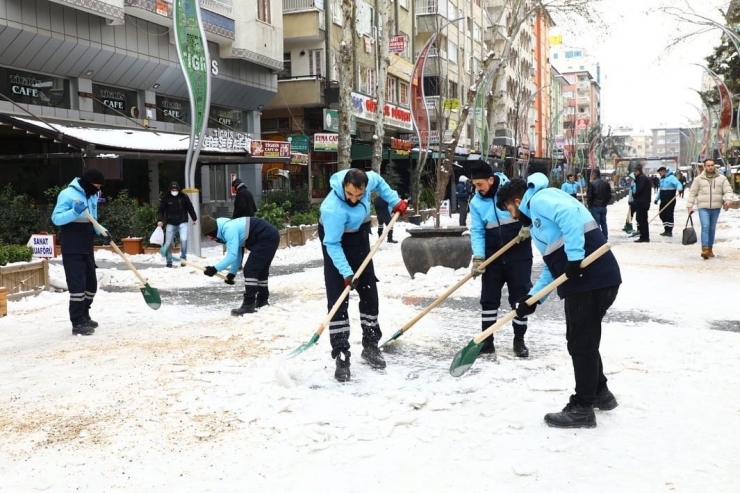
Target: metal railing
[
  {"x": 223, "y": 7},
  {"x": 299, "y": 5}
]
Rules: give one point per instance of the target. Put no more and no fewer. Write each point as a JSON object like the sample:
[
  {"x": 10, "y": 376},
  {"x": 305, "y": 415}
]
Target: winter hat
[
  {"x": 463, "y": 179},
  {"x": 175, "y": 186},
  {"x": 94, "y": 176},
  {"x": 236, "y": 183},
  {"x": 481, "y": 171},
  {"x": 208, "y": 226}
]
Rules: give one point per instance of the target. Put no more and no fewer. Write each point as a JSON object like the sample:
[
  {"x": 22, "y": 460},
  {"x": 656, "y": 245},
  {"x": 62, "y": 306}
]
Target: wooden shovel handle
[
  {"x": 200, "y": 267},
  {"x": 664, "y": 208},
  {"x": 540, "y": 294},
  {"x": 103, "y": 232}
]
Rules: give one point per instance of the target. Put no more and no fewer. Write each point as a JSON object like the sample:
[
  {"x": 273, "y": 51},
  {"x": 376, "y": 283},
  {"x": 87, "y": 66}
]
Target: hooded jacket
[
  {"x": 175, "y": 209},
  {"x": 709, "y": 193},
  {"x": 237, "y": 234},
  {"x": 76, "y": 230},
  {"x": 669, "y": 184},
  {"x": 570, "y": 188},
  {"x": 244, "y": 204},
  {"x": 338, "y": 217},
  {"x": 564, "y": 230},
  {"x": 491, "y": 228}
]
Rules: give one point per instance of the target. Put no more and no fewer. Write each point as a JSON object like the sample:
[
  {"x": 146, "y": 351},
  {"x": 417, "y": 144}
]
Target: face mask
[{"x": 174, "y": 193}]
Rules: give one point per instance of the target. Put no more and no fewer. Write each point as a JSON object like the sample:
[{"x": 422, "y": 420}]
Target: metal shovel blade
[
  {"x": 465, "y": 358},
  {"x": 627, "y": 228},
  {"x": 303, "y": 347},
  {"x": 393, "y": 338},
  {"x": 151, "y": 296}
]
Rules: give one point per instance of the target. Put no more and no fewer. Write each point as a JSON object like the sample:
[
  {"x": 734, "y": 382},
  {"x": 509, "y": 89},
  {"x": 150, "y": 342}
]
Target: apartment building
[
  {"x": 542, "y": 77},
  {"x": 681, "y": 143},
  {"x": 105, "y": 77},
  {"x": 582, "y": 98},
  {"x": 640, "y": 144}
]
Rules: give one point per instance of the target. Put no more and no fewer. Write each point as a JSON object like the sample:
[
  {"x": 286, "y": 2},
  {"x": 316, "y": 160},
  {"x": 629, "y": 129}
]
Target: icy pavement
[{"x": 188, "y": 398}]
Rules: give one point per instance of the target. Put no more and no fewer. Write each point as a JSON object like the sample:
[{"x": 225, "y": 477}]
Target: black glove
[
  {"x": 210, "y": 271},
  {"x": 351, "y": 282},
  {"x": 573, "y": 269},
  {"x": 523, "y": 309},
  {"x": 655, "y": 202},
  {"x": 230, "y": 279},
  {"x": 105, "y": 240}
]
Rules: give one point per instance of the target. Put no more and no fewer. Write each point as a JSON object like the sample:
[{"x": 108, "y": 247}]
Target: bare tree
[
  {"x": 346, "y": 83},
  {"x": 381, "y": 49}
]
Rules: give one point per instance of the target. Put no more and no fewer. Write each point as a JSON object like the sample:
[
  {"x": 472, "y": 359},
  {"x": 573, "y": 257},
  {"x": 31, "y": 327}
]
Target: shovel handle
[
  {"x": 540, "y": 294},
  {"x": 664, "y": 208},
  {"x": 200, "y": 268},
  {"x": 103, "y": 232},
  {"x": 455, "y": 287},
  {"x": 357, "y": 274}
]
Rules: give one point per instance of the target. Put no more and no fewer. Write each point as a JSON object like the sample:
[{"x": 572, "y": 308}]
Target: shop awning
[{"x": 134, "y": 143}]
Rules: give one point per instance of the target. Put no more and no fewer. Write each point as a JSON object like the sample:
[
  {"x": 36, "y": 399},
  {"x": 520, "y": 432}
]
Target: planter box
[
  {"x": 155, "y": 249},
  {"x": 283, "y": 238},
  {"x": 25, "y": 279}
]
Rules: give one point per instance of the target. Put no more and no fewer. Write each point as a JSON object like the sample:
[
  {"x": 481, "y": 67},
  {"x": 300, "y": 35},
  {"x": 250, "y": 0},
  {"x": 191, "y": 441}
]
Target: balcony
[
  {"x": 436, "y": 63},
  {"x": 583, "y": 101},
  {"x": 298, "y": 91},
  {"x": 430, "y": 15},
  {"x": 303, "y": 22},
  {"x": 221, "y": 7}
]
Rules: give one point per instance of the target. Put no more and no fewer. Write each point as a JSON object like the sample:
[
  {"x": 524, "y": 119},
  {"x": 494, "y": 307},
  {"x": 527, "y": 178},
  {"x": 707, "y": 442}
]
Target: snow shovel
[
  {"x": 628, "y": 223},
  {"x": 315, "y": 337},
  {"x": 200, "y": 268},
  {"x": 451, "y": 290},
  {"x": 465, "y": 358},
  {"x": 663, "y": 208},
  {"x": 151, "y": 295}
]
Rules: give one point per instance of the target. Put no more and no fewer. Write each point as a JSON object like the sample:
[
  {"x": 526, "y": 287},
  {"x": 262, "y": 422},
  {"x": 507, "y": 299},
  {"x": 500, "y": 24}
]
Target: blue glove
[{"x": 79, "y": 207}]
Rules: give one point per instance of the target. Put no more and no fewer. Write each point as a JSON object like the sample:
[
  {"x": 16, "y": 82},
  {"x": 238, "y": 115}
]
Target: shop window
[
  {"x": 114, "y": 101},
  {"x": 171, "y": 110},
  {"x": 37, "y": 89},
  {"x": 225, "y": 118}
]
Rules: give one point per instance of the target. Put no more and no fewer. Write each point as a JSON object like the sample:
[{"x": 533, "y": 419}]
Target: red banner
[
  {"x": 419, "y": 113},
  {"x": 268, "y": 148}
]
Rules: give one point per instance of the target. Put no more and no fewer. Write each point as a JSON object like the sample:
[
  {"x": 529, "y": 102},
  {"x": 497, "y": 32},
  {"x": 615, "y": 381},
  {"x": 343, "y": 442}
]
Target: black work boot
[
  {"x": 373, "y": 356},
  {"x": 83, "y": 329},
  {"x": 520, "y": 348},
  {"x": 380, "y": 231},
  {"x": 92, "y": 323},
  {"x": 573, "y": 415},
  {"x": 488, "y": 347},
  {"x": 342, "y": 373},
  {"x": 605, "y": 400},
  {"x": 390, "y": 237},
  {"x": 248, "y": 306},
  {"x": 261, "y": 303}
]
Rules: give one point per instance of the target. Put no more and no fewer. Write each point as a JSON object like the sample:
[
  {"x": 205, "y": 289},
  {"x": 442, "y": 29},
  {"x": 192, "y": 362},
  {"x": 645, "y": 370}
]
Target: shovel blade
[
  {"x": 465, "y": 358},
  {"x": 151, "y": 296},
  {"x": 303, "y": 347},
  {"x": 627, "y": 228},
  {"x": 393, "y": 338}
]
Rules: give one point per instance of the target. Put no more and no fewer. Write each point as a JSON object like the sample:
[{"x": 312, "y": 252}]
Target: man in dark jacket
[
  {"x": 244, "y": 205},
  {"x": 383, "y": 212},
  {"x": 641, "y": 202},
  {"x": 463, "y": 196},
  {"x": 173, "y": 210},
  {"x": 599, "y": 195},
  {"x": 77, "y": 233},
  {"x": 565, "y": 233}
]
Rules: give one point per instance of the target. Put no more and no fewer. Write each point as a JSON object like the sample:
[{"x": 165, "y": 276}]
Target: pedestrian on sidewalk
[
  {"x": 682, "y": 179},
  {"x": 174, "y": 209},
  {"x": 462, "y": 194},
  {"x": 666, "y": 195},
  {"x": 382, "y": 212},
  {"x": 565, "y": 233},
  {"x": 571, "y": 186},
  {"x": 599, "y": 195},
  {"x": 244, "y": 204},
  {"x": 655, "y": 181},
  {"x": 261, "y": 239},
  {"x": 641, "y": 201},
  {"x": 490, "y": 229},
  {"x": 709, "y": 192},
  {"x": 344, "y": 231},
  {"x": 77, "y": 234}
]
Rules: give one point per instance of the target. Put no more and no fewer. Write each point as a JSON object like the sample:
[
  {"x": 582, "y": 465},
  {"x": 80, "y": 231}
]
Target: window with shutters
[
  {"x": 403, "y": 93},
  {"x": 390, "y": 89},
  {"x": 316, "y": 61},
  {"x": 263, "y": 11}
]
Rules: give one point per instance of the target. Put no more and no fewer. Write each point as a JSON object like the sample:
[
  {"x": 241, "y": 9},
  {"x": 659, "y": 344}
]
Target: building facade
[{"x": 94, "y": 68}]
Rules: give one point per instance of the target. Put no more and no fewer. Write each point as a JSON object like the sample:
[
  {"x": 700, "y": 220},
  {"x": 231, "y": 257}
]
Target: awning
[{"x": 95, "y": 139}]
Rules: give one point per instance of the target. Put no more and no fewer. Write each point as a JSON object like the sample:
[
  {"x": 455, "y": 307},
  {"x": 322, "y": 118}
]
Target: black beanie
[
  {"x": 94, "y": 176},
  {"x": 481, "y": 171},
  {"x": 236, "y": 183},
  {"x": 208, "y": 226}
]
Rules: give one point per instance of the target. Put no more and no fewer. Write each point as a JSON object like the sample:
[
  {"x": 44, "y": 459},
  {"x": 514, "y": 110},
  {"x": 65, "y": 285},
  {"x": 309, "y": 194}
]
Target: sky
[
  {"x": 642, "y": 85},
  {"x": 189, "y": 398}
]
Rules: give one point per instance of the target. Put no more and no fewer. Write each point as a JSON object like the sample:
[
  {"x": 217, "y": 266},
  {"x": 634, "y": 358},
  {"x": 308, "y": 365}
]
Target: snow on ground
[{"x": 188, "y": 398}]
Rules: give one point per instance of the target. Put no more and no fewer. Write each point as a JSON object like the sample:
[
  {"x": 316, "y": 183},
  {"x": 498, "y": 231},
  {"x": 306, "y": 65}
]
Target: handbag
[
  {"x": 689, "y": 233},
  {"x": 157, "y": 237}
]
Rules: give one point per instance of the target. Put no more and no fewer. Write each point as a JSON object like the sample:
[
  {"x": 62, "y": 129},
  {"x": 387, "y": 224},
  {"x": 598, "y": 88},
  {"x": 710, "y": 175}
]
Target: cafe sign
[
  {"x": 270, "y": 148},
  {"x": 365, "y": 107},
  {"x": 227, "y": 140},
  {"x": 325, "y": 142}
]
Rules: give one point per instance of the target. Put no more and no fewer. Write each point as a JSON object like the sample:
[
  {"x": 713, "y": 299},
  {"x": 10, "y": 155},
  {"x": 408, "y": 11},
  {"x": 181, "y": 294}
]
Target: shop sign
[
  {"x": 299, "y": 158},
  {"x": 172, "y": 110},
  {"x": 397, "y": 44},
  {"x": 326, "y": 142},
  {"x": 112, "y": 98},
  {"x": 225, "y": 118},
  {"x": 43, "y": 246},
  {"x": 270, "y": 148},
  {"x": 30, "y": 88},
  {"x": 401, "y": 146},
  {"x": 227, "y": 140},
  {"x": 331, "y": 121},
  {"x": 298, "y": 143},
  {"x": 366, "y": 107}
]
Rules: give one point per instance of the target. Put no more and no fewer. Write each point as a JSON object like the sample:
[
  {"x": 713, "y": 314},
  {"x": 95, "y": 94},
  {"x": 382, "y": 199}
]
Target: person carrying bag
[{"x": 689, "y": 233}]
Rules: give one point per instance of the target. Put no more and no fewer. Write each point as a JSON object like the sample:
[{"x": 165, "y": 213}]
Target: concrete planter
[{"x": 428, "y": 247}]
